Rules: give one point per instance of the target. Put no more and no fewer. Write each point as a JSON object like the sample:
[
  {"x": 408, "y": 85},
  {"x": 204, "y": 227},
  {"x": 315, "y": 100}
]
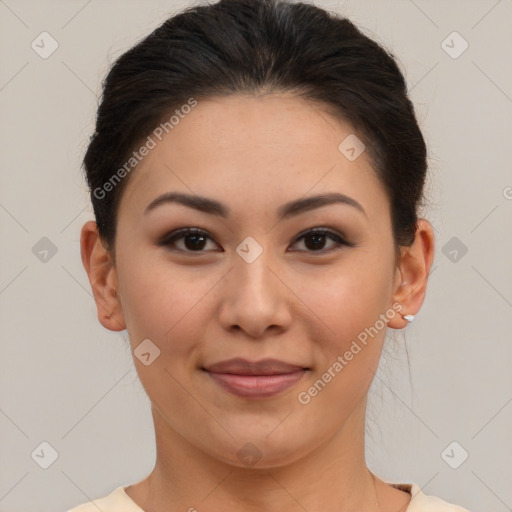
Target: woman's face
[{"x": 257, "y": 282}]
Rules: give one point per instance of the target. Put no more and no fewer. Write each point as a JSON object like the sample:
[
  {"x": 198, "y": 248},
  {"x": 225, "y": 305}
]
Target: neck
[{"x": 333, "y": 477}]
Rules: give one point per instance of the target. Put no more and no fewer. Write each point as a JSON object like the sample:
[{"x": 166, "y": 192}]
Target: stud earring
[
  {"x": 108, "y": 316},
  {"x": 409, "y": 318}
]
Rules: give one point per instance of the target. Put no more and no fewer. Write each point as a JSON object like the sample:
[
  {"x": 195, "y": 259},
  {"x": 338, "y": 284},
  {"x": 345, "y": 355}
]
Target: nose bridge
[
  {"x": 256, "y": 298},
  {"x": 253, "y": 280}
]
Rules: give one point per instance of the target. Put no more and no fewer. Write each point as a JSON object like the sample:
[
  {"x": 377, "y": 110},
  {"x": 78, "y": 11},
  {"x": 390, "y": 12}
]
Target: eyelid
[
  {"x": 182, "y": 233},
  {"x": 323, "y": 230},
  {"x": 334, "y": 235}
]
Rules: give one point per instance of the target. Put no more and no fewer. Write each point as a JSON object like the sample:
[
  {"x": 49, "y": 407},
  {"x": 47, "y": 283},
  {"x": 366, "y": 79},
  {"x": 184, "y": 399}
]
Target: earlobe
[
  {"x": 101, "y": 272},
  {"x": 414, "y": 269}
]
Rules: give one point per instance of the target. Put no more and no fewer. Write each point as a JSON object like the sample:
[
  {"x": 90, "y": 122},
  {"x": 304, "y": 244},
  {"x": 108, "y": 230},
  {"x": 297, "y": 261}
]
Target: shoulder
[
  {"x": 116, "y": 501},
  {"x": 420, "y": 502}
]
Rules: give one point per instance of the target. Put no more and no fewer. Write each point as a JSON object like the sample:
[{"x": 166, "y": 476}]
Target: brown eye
[
  {"x": 316, "y": 239},
  {"x": 194, "y": 240}
]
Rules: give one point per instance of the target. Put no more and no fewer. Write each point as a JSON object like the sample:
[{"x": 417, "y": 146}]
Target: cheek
[
  {"x": 167, "y": 308},
  {"x": 347, "y": 305},
  {"x": 159, "y": 302},
  {"x": 351, "y": 296}
]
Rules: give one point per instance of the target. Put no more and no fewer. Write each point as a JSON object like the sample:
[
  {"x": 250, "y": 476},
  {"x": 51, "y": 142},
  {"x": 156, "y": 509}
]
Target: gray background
[{"x": 67, "y": 381}]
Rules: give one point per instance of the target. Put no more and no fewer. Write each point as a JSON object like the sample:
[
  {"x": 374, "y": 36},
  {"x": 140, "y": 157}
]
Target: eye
[
  {"x": 315, "y": 240},
  {"x": 194, "y": 240}
]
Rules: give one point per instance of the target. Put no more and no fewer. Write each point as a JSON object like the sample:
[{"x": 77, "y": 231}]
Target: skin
[{"x": 295, "y": 303}]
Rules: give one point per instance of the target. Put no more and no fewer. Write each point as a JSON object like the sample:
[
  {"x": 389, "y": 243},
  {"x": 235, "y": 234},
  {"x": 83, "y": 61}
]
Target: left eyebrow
[
  {"x": 290, "y": 209},
  {"x": 310, "y": 203}
]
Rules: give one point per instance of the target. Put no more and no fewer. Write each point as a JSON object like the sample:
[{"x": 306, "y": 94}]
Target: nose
[{"x": 254, "y": 298}]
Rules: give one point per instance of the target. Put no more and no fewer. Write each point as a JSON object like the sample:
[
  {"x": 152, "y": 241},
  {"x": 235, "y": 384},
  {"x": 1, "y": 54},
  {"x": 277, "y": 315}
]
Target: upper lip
[{"x": 240, "y": 366}]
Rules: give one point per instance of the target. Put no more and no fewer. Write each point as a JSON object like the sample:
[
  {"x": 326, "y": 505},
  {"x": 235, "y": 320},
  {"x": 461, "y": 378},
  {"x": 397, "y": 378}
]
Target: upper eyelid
[
  {"x": 322, "y": 230},
  {"x": 201, "y": 231},
  {"x": 183, "y": 232}
]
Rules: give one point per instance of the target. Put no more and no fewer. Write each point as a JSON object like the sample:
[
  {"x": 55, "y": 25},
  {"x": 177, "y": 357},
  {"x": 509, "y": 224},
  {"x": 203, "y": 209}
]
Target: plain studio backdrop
[{"x": 68, "y": 386}]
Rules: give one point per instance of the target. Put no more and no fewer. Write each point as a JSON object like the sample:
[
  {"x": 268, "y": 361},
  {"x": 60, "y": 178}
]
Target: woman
[{"x": 256, "y": 173}]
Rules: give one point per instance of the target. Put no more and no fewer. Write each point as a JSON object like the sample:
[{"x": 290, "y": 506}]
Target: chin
[{"x": 255, "y": 448}]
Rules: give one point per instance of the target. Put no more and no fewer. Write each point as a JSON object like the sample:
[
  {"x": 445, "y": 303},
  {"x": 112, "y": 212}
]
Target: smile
[{"x": 254, "y": 380}]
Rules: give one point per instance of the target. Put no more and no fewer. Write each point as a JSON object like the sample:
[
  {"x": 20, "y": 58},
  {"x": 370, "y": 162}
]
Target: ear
[
  {"x": 98, "y": 264},
  {"x": 412, "y": 273}
]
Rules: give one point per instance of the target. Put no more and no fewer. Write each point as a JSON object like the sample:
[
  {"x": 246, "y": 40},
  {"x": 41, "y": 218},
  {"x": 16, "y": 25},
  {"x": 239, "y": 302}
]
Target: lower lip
[{"x": 257, "y": 386}]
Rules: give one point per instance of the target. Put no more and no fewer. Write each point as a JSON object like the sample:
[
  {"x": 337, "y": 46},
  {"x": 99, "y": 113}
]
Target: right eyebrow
[{"x": 203, "y": 204}]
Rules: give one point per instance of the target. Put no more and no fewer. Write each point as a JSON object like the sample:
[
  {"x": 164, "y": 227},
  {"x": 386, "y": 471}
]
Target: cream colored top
[{"x": 119, "y": 501}]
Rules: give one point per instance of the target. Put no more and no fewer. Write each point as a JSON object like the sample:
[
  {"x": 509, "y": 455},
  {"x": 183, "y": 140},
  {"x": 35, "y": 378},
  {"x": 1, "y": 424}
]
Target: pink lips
[{"x": 260, "y": 379}]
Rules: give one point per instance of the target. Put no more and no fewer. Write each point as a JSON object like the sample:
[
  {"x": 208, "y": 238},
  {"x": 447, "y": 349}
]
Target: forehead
[{"x": 238, "y": 146}]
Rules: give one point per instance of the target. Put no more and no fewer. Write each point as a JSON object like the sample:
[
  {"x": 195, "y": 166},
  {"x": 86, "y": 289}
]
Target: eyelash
[{"x": 171, "y": 238}]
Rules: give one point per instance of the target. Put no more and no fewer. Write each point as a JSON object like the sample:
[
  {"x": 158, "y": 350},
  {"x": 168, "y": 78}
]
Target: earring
[{"x": 409, "y": 318}]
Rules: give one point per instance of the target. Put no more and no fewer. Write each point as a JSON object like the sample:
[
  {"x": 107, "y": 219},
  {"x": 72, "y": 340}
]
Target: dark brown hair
[{"x": 259, "y": 46}]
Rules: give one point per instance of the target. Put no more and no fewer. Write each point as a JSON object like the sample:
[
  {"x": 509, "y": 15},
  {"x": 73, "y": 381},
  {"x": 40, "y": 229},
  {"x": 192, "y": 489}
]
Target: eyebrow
[{"x": 290, "y": 209}]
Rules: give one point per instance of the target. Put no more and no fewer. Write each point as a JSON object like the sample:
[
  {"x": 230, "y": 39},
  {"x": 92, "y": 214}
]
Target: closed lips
[
  {"x": 255, "y": 380},
  {"x": 239, "y": 366}
]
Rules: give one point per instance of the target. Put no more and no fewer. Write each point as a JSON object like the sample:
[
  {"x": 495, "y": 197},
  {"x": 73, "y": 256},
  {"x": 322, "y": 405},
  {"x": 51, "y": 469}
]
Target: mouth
[{"x": 260, "y": 379}]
